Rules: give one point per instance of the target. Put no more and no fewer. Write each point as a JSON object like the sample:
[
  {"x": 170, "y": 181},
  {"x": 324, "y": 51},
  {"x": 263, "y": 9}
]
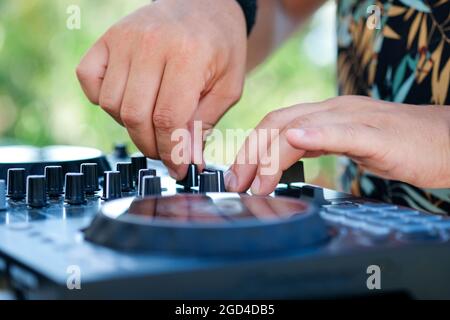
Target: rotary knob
[
  {"x": 16, "y": 183},
  {"x": 111, "y": 185},
  {"x": 120, "y": 151},
  {"x": 208, "y": 182},
  {"x": 220, "y": 181},
  {"x": 54, "y": 180},
  {"x": 143, "y": 173},
  {"x": 151, "y": 186},
  {"x": 90, "y": 171},
  {"x": 75, "y": 188},
  {"x": 191, "y": 179},
  {"x": 36, "y": 191},
  {"x": 2, "y": 195},
  {"x": 138, "y": 163},
  {"x": 126, "y": 175}
]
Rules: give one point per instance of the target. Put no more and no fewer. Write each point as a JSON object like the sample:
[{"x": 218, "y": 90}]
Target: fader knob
[
  {"x": 111, "y": 185},
  {"x": 191, "y": 179},
  {"x": 126, "y": 175},
  {"x": 90, "y": 171},
  {"x": 36, "y": 191},
  {"x": 143, "y": 173},
  {"x": 54, "y": 180},
  {"x": 208, "y": 182},
  {"x": 151, "y": 186},
  {"x": 138, "y": 163},
  {"x": 16, "y": 183},
  {"x": 2, "y": 195},
  {"x": 75, "y": 188}
]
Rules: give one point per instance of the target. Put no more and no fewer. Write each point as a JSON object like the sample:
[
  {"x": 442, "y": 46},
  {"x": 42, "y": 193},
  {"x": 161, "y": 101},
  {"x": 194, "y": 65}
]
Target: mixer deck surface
[{"x": 137, "y": 233}]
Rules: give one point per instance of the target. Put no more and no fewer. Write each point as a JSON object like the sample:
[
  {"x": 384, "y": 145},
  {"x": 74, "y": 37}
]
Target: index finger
[
  {"x": 91, "y": 70},
  {"x": 176, "y": 103}
]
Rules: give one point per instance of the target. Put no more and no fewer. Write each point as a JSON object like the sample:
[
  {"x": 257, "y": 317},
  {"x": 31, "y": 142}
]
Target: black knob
[
  {"x": 120, "y": 151},
  {"x": 143, "y": 173},
  {"x": 220, "y": 181},
  {"x": 16, "y": 181},
  {"x": 191, "y": 179},
  {"x": 138, "y": 163},
  {"x": 75, "y": 188},
  {"x": 111, "y": 185},
  {"x": 151, "y": 186},
  {"x": 208, "y": 182},
  {"x": 90, "y": 171},
  {"x": 54, "y": 180},
  {"x": 36, "y": 191},
  {"x": 126, "y": 175}
]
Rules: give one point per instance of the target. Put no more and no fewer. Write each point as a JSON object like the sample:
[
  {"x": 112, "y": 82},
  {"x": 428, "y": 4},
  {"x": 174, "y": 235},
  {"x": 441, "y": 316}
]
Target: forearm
[{"x": 275, "y": 21}]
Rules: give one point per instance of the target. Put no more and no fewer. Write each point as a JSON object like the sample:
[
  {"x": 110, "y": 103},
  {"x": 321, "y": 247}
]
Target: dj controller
[{"x": 76, "y": 224}]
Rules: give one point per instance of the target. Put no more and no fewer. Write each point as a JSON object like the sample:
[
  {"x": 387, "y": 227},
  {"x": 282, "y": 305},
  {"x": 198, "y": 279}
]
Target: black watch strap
[{"x": 249, "y": 7}]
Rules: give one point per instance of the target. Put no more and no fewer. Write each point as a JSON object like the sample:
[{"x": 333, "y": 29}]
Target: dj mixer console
[{"x": 127, "y": 230}]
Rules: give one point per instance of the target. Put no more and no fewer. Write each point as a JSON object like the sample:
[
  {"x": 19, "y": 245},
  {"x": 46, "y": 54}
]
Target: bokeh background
[{"x": 41, "y": 102}]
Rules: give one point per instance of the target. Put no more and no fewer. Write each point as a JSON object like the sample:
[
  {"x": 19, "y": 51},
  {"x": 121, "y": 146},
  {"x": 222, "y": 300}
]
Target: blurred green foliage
[{"x": 41, "y": 102}]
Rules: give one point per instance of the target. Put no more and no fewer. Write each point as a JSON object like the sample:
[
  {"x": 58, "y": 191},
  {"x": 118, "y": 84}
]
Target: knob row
[{"x": 207, "y": 181}]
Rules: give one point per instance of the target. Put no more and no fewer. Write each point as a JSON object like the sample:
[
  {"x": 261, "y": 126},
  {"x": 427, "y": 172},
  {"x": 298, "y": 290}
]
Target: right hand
[{"x": 164, "y": 66}]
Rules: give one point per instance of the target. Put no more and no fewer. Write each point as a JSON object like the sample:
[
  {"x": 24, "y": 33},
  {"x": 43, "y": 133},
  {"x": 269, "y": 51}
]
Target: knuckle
[
  {"x": 131, "y": 118},
  {"x": 163, "y": 118},
  {"x": 350, "y": 132},
  {"x": 149, "y": 37},
  {"x": 271, "y": 117},
  {"x": 107, "y": 103},
  {"x": 303, "y": 121},
  {"x": 83, "y": 73}
]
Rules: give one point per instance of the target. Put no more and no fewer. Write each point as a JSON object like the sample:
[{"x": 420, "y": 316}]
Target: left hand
[{"x": 394, "y": 141}]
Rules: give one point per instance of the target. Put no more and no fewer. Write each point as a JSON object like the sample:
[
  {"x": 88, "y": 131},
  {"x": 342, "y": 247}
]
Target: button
[
  {"x": 111, "y": 185},
  {"x": 401, "y": 212},
  {"x": 143, "y": 173},
  {"x": 75, "y": 189},
  {"x": 54, "y": 180},
  {"x": 2, "y": 195},
  {"x": 416, "y": 231},
  {"x": 151, "y": 186},
  {"x": 441, "y": 224},
  {"x": 126, "y": 175},
  {"x": 344, "y": 208},
  {"x": 90, "y": 171},
  {"x": 191, "y": 178},
  {"x": 16, "y": 183},
  {"x": 423, "y": 218},
  {"x": 385, "y": 220},
  {"x": 138, "y": 163},
  {"x": 208, "y": 182},
  {"x": 36, "y": 191},
  {"x": 377, "y": 206}
]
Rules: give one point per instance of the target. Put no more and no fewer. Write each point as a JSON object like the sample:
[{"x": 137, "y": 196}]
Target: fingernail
[
  {"x": 255, "y": 185},
  {"x": 230, "y": 180}
]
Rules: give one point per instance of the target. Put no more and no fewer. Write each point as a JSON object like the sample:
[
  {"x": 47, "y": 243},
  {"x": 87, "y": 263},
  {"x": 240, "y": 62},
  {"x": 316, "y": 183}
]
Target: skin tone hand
[
  {"x": 166, "y": 65},
  {"x": 394, "y": 141}
]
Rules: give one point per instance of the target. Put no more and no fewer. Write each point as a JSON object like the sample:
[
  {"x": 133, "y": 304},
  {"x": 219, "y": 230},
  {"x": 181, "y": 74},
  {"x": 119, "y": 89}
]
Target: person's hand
[
  {"x": 165, "y": 65},
  {"x": 394, "y": 141}
]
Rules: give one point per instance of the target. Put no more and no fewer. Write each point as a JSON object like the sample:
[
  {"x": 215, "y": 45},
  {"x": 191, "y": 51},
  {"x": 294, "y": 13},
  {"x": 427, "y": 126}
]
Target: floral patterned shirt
[{"x": 395, "y": 50}]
